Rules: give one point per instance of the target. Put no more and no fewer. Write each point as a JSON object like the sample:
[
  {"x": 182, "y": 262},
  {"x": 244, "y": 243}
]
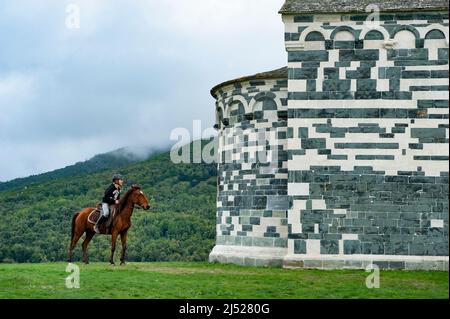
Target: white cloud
[
  {"x": 16, "y": 89},
  {"x": 132, "y": 72}
]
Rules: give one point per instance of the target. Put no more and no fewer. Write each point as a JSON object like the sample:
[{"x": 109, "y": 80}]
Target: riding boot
[{"x": 100, "y": 221}]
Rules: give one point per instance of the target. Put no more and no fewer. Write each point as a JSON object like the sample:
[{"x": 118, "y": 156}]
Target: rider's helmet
[{"x": 117, "y": 177}]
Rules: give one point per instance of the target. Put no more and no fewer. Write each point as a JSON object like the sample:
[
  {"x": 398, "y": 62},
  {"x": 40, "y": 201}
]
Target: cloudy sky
[{"x": 131, "y": 72}]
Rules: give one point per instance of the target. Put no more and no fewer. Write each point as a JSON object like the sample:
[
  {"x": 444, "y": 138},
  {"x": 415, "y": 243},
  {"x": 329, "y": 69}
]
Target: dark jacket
[{"x": 111, "y": 195}]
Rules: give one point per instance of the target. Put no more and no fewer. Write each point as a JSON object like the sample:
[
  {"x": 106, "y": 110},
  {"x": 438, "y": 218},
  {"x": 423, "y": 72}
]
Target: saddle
[{"x": 105, "y": 227}]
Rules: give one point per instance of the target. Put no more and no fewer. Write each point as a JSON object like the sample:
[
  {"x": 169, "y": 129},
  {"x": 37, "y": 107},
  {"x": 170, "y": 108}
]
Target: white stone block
[
  {"x": 313, "y": 246},
  {"x": 298, "y": 189},
  {"x": 299, "y": 205},
  {"x": 383, "y": 85},
  {"x": 437, "y": 223},
  {"x": 349, "y": 236},
  {"x": 340, "y": 211},
  {"x": 318, "y": 204},
  {"x": 297, "y": 85}
]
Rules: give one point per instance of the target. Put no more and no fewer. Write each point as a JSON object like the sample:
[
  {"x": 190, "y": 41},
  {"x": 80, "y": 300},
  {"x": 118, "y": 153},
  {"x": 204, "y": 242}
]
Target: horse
[{"x": 120, "y": 225}]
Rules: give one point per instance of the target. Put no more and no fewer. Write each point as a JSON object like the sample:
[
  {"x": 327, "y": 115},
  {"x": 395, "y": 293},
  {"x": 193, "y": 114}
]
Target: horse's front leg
[
  {"x": 113, "y": 246},
  {"x": 123, "y": 238}
]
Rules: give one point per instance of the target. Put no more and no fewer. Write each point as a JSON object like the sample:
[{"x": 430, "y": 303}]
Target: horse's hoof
[
  {"x": 112, "y": 264},
  {"x": 122, "y": 263}
]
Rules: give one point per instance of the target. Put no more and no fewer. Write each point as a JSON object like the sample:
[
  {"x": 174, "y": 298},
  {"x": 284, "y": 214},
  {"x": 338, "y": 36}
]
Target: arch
[
  {"x": 314, "y": 40},
  {"x": 235, "y": 109},
  {"x": 264, "y": 96},
  {"x": 435, "y": 39},
  {"x": 434, "y": 35},
  {"x": 344, "y": 35},
  {"x": 236, "y": 98},
  {"x": 265, "y": 104},
  {"x": 434, "y": 26},
  {"x": 374, "y": 39},
  {"x": 314, "y": 36},
  {"x": 325, "y": 33},
  {"x": 342, "y": 29},
  {"x": 403, "y": 28},
  {"x": 405, "y": 39},
  {"x": 366, "y": 30}
]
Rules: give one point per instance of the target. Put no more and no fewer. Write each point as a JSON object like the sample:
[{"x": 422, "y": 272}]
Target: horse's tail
[{"x": 74, "y": 218}]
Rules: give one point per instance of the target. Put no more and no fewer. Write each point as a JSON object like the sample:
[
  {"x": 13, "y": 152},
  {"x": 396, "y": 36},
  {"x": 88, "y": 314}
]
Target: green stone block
[
  {"x": 428, "y": 132},
  {"x": 280, "y": 242},
  {"x": 303, "y": 132},
  {"x": 299, "y": 246},
  {"x": 313, "y": 143},
  {"x": 310, "y": 55},
  {"x": 359, "y": 55},
  {"x": 443, "y": 54},
  {"x": 279, "y": 214},
  {"x": 303, "y": 18},
  {"x": 244, "y": 212},
  {"x": 352, "y": 247},
  {"x": 336, "y": 85},
  {"x": 407, "y": 54},
  {"x": 416, "y": 74},
  {"x": 247, "y": 241},
  {"x": 366, "y": 85},
  {"x": 263, "y": 242},
  {"x": 329, "y": 247}
]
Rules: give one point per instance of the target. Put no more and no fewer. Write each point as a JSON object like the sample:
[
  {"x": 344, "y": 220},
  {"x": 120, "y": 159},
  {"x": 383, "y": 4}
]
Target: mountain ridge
[{"x": 114, "y": 159}]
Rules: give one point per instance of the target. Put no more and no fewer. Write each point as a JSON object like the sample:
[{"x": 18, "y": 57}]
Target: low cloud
[{"x": 132, "y": 73}]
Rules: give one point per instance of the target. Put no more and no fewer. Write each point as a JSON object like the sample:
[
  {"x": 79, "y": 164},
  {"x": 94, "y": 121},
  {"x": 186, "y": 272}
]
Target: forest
[{"x": 35, "y": 213}]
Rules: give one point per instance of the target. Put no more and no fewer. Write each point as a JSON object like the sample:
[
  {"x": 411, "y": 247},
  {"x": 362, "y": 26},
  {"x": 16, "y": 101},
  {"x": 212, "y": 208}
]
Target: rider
[{"x": 111, "y": 197}]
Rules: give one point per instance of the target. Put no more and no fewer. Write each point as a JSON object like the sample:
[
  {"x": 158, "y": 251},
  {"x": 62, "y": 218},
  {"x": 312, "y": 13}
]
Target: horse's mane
[{"x": 124, "y": 200}]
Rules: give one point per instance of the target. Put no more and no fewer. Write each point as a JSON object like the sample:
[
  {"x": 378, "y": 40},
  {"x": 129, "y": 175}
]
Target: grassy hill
[
  {"x": 200, "y": 280},
  {"x": 35, "y": 215}
]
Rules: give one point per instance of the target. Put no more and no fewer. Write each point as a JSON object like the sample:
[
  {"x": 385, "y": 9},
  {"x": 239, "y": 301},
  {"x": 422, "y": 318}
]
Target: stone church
[{"x": 355, "y": 130}]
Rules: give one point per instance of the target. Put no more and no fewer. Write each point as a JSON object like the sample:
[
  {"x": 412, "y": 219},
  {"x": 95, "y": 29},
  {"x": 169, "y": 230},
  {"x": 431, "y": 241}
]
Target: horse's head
[{"x": 138, "y": 197}]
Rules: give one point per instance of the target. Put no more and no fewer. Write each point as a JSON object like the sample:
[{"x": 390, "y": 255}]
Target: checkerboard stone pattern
[
  {"x": 363, "y": 176},
  {"x": 252, "y": 199}
]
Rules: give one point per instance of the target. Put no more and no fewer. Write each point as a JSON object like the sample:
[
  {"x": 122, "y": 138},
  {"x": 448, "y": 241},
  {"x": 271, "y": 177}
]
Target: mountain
[
  {"x": 115, "y": 159},
  {"x": 35, "y": 215}
]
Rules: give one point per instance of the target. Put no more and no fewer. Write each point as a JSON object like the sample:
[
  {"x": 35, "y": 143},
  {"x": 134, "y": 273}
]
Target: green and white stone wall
[
  {"x": 252, "y": 200},
  {"x": 368, "y": 140},
  {"x": 359, "y": 131}
]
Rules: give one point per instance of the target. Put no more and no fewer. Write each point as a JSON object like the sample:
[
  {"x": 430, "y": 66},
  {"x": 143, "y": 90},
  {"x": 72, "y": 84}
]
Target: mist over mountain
[{"x": 114, "y": 159}]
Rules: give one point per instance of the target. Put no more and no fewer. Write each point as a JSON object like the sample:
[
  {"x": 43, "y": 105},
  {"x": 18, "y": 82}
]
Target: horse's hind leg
[
  {"x": 89, "y": 235},
  {"x": 73, "y": 244}
]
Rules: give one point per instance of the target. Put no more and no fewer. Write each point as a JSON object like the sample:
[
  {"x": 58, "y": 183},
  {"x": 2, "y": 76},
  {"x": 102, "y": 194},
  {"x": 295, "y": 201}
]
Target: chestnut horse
[{"x": 120, "y": 224}]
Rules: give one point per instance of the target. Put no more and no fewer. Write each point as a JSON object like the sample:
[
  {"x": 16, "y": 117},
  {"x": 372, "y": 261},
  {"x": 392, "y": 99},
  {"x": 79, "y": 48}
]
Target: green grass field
[{"x": 210, "y": 281}]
